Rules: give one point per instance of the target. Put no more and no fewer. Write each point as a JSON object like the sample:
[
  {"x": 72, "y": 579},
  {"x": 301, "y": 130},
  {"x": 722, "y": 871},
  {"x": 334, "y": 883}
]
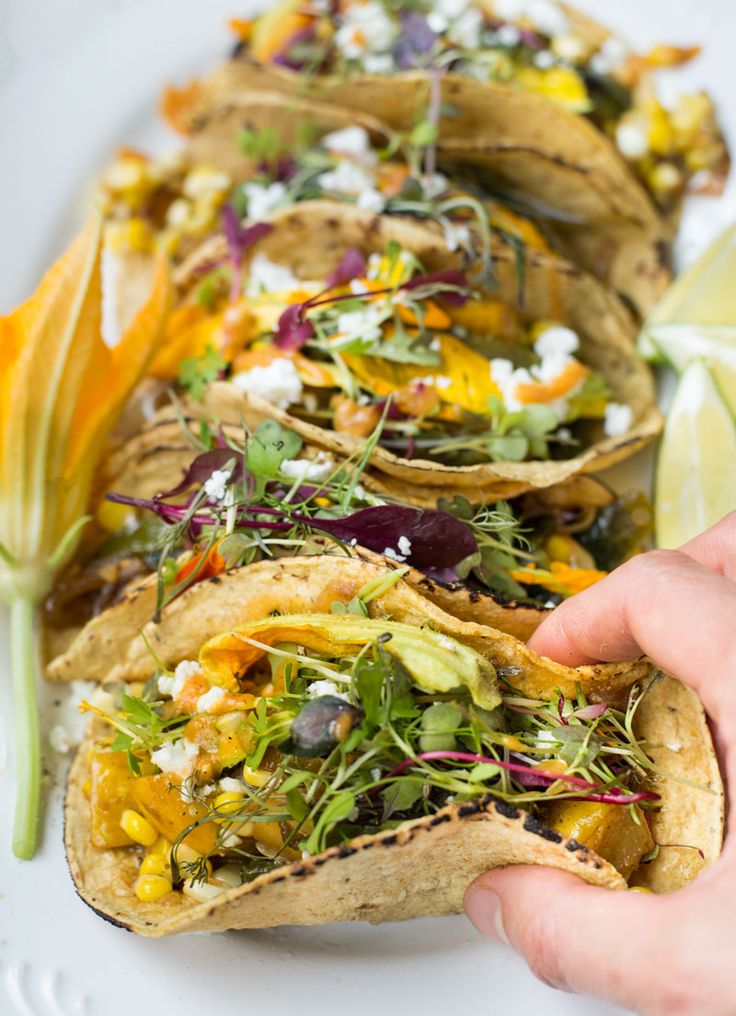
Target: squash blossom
[{"x": 61, "y": 392}]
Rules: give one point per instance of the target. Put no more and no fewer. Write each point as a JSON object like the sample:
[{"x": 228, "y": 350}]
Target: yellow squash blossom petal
[{"x": 61, "y": 392}]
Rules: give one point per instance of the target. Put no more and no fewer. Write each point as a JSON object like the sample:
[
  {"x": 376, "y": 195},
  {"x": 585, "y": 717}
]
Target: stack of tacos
[{"x": 410, "y": 250}]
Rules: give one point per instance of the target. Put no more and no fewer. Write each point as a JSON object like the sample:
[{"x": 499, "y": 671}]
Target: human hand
[{"x": 654, "y": 954}]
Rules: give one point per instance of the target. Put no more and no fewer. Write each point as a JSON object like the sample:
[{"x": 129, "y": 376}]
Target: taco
[
  {"x": 503, "y": 565},
  {"x": 484, "y": 387},
  {"x": 245, "y": 785},
  {"x": 258, "y": 151},
  {"x": 540, "y": 76}
]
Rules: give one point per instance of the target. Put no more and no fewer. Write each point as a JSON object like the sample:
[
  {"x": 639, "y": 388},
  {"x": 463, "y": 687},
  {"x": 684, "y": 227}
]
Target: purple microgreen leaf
[
  {"x": 284, "y": 58},
  {"x": 452, "y": 278},
  {"x": 524, "y": 773},
  {"x": 293, "y": 330},
  {"x": 425, "y": 538},
  {"x": 239, "y": 239},
  {"x": 591, "y": 712},
  {"x": 352, "y": 266},
  {"x": 202, "y": 468},
  {"x": 416, "y": 43}
]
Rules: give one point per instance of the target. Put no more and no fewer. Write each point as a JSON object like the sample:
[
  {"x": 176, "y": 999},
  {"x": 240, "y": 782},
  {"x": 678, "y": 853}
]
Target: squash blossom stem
[{"x": 24, "y": 664}]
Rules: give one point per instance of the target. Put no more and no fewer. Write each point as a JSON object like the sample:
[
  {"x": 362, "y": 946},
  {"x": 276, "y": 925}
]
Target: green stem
[{"x": 24, "y": 664}]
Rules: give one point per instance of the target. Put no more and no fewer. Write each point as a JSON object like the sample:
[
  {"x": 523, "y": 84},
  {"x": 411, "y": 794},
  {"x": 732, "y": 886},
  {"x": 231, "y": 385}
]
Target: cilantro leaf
[{"x": 195, "y": 374}]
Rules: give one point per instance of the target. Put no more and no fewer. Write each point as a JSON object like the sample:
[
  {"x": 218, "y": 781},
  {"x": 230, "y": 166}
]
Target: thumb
[{"x": 580, "y": 938}]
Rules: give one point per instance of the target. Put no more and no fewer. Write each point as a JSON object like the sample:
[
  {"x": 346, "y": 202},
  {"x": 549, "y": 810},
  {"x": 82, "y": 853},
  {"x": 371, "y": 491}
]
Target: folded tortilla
[
  {"x": 615, "y": 250},
  {"x": 310, "y": 240},
  {"x": 556, "y": 165},
  {"x": 116, "y": 645},
  {"x": 424, "y": 865}
]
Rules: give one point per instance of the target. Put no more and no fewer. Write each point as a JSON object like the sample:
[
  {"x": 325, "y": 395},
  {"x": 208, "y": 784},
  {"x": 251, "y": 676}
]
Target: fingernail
[{"x": 483, "y": 907}]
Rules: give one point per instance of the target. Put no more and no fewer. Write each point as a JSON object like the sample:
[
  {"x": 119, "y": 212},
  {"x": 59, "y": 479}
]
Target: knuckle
[{"x": 645, "y": 566}]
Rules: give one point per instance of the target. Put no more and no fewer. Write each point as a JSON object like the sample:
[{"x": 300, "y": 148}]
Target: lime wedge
[
  {"x": 714, "y": 345},
  {"x": 703, "y": 295},
  {"x": 696, "y": 470}
]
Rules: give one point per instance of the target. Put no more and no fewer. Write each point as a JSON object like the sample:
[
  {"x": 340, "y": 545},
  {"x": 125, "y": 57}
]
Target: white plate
[{"x": 76, "y": 79}]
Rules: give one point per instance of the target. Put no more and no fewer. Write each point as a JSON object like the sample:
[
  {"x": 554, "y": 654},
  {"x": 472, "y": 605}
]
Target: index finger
[{"x": 664, "y": 605}]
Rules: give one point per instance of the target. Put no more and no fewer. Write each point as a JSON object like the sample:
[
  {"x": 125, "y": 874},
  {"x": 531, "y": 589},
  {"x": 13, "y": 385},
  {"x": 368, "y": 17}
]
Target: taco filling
[
  {"x": 462, "y": 379},
  {"x": 247, "y": 497},
  {"x": 541, "y": 46},
  {"x": 295, "y": 733},
  {"x": 178, "y": 200}
]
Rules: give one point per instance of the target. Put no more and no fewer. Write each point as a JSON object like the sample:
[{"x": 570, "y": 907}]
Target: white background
[{"x": 77, "y": 77}]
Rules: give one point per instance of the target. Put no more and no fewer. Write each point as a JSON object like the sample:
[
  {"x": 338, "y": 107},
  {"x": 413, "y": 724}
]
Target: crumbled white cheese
[
  {"x": 365, "y": 324},
  {"x": 176, "y": 757},
  {"x": 100, "y": 697},
  {"x": 264, "y": 198},
  {"x": 404, "y": 546},
  {"x": 546, "y": 16},
  {"x": 434, "y": 185},
  {"x": 543, "y": 60},
  {"x": 231, "y": 785},
  {"x": 206, "y": 702},
  {"x": 570, "y": 48},
  {"x": 352, "y": 141},
  {"x": 393, "y": 555},
  {"x": 317, "y": 469},
  {"x": 366, "y": 28},
  {"x": 556, "y": 341},
  {"x": 674, "y": 746},
  {"x": 215, "y": 486},
  {"x": 317, "y": 689},
  {"x": 60, "y": 740},
  {"x": 618, "y": 420},
  {"x": 265, "y": 276},
  {"x": 434, "y": 382},
  {"x": 508, "y": 378},
  {"x": 509, "y": 35},
  {"x": 204, "y": 184},
  {"x": 465, "y": 30},
  {"x": 610, "y": 57},
  {"x": 632, "y": 140},
  {"x": 346, "y": 178},
  {"x": 455, "y": 236},
  {"x": 373, "y": 266},
  {"x": 278, "y": 382},
  {"x": 447, "y": 643},
  {"x": 371, "y": 200},
  {"x": 173, "y": 685}
]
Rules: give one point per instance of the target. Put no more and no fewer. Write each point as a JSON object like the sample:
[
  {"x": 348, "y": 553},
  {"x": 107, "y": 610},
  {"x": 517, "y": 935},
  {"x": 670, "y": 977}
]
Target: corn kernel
[
  {"x": 152, "y": 887},
  {"x": 665, "y": 177},
  {"x": 205, "y": 184},
  {"x": 640, "y": 889},
  {"x": 87, "y": 788},
  {"x": 162, "y": 846},
  {"x": 138, "y": 828},
  {"x": 322, "y": 502},
  {"x": 255, "y": 777},
  {"x": 202, "y": 892},
  {"x": 188, "y": 855},
  {"x": 228, "y": 802},
  {"x": 155, "y": 864}
]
